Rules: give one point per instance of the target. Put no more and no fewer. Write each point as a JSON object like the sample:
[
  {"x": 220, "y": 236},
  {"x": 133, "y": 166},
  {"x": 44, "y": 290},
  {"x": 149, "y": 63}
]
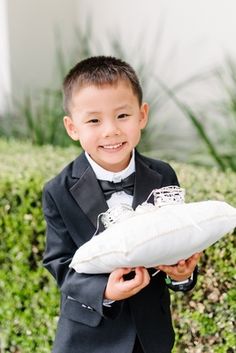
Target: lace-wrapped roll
[{"x": 159, "y": 234}]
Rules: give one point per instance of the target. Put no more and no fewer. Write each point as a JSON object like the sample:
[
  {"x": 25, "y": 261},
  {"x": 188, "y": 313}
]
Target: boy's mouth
[{"x": 113, "y": 146}]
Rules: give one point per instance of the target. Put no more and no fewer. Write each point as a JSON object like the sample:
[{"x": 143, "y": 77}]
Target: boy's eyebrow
[
  {"x": 91, "y": 112},
  {"x": 125, "y": 106}
]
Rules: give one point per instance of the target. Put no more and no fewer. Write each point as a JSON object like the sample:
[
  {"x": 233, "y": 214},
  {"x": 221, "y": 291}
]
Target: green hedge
[{"x": 29, "y": 300}]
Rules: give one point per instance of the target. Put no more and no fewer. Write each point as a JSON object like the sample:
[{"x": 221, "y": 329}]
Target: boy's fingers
[
  {"x": 146, "y": 274},
  {"x": 120, "y": 288},
  {"x": 143, "y": 276},
  {"x": 165, "y": 268},
  {"x": 194, "y": 257},
  {"x": 182, "y": 264},
  {"x": 119, "y": 273},
  {"x": 197, "y": 256},
  {"x": 140, "y": 280},
  {"x": 192, "y": 261},
  {"x": 142, "y": 272},
  {"x": 181, "y": 267}
]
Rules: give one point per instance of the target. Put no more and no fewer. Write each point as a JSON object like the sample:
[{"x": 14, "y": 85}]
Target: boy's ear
[
  {"x": 71, "y": 129},
  {"x": 144, "y": 115}
]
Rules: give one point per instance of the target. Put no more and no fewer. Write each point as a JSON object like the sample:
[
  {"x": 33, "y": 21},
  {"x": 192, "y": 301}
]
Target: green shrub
[
  {"x": 29, "y": 298},
  {"x": 205, "y": 318}
]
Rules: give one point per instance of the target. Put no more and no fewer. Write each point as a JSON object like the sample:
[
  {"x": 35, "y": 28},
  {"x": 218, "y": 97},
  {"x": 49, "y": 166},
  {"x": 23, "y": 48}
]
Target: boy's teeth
[{"x": 113, "y": 146}]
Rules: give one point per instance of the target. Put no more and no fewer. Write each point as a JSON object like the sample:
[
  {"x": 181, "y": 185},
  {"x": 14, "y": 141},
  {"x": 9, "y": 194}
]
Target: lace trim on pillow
[
  {"x": 114, "y": 215},
  {"x": 168, "y": 195}
]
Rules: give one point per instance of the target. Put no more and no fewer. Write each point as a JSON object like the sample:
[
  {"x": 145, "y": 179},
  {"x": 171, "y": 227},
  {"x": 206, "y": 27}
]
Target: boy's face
[{"x": 107, "y": 121}]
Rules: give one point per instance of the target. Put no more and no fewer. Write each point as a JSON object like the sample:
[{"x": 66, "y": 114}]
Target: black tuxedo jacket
[{"x": 71, "y": 203}]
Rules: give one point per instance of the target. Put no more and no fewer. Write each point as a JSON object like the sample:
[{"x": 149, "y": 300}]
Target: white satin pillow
[{"x": 151, "y": 236}]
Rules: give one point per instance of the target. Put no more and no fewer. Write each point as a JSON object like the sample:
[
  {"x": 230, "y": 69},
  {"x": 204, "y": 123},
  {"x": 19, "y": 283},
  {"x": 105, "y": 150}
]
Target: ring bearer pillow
[{"x": 154, "y": 234}]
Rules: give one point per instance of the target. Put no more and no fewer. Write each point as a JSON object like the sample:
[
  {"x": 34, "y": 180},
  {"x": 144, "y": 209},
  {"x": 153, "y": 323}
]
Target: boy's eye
[
  {"x": 122, "y": 116},
  {"x": 93, "y": 121}
]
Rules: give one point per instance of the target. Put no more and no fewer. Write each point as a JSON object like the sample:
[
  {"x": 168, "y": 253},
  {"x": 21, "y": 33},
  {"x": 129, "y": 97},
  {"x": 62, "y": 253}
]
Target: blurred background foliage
[{"x": 204, "y": 318}]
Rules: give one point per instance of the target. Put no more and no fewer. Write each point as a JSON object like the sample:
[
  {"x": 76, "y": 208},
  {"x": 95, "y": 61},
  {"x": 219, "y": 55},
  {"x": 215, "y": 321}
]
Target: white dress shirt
[
  {"x": 102, "y": 174},
  {"x": 117, "y": 197}
]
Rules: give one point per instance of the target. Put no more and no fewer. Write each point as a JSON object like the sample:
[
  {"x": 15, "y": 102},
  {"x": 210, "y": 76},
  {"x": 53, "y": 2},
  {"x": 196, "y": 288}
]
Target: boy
[{"x": 128, "y": 310}]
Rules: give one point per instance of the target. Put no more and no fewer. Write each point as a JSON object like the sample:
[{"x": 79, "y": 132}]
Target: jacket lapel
[
  {"x": 146, "y": 180},
  {"x": 86, "y": 191},
  {"x": 89, "y": 196}
]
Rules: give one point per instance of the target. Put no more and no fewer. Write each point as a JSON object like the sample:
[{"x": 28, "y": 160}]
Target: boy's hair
[{"x": 99, "y": 71}]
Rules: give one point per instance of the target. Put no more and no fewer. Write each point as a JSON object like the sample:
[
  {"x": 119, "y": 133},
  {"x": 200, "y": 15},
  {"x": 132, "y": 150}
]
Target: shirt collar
[{"x": 103, "y": 174}]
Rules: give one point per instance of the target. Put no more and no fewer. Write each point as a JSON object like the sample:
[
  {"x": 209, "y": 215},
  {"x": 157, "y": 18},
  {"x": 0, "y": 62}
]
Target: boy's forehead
[
  {"x": 113, "y": 84},
  {"x": 87, "y": 93}
]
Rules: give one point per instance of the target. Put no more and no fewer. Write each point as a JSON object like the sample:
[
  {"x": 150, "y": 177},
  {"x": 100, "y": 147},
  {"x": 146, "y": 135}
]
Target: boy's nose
[{"x": 110, "y": 129}]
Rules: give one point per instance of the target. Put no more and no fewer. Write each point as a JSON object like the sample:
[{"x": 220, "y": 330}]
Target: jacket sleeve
[
  {"x": 183, "y": 287},
  {"x": 60, "y": 248}
]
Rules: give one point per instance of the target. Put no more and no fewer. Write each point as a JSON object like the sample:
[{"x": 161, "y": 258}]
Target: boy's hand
[
  {"x": 183, "y": 269},
  {"x": 118, "y": 288}
]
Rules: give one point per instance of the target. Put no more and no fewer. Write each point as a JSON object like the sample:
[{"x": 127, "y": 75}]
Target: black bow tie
[{"x": 126, "y": 185}]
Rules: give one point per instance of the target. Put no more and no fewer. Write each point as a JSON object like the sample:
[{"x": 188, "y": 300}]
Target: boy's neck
[{"x": 104, "y": 174}]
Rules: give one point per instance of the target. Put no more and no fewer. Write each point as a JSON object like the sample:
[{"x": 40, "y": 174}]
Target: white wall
[
  {"x": 194, "y": 34},
  {"x": 5, "y": 86},
  {"x": 32, "y": 32},
  {"x": 175, "y": 39},
  {"x": 187, "y": 36}
]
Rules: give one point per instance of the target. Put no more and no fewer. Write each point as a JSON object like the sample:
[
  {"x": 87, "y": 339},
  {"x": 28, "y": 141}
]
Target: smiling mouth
[{"x": 113, "y": 147}]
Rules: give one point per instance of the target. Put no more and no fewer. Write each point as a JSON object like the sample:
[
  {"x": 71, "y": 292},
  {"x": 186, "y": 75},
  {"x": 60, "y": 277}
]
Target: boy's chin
[{"x": 115, "y": 166}]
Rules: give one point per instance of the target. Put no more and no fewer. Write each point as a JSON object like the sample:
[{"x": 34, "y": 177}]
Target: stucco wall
[
  {"x": 193, "y": 34},
  {"x": 188, "y": 36},
  {"x": 32, "y": 31},
  {"x": 5, "y": 87}
]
